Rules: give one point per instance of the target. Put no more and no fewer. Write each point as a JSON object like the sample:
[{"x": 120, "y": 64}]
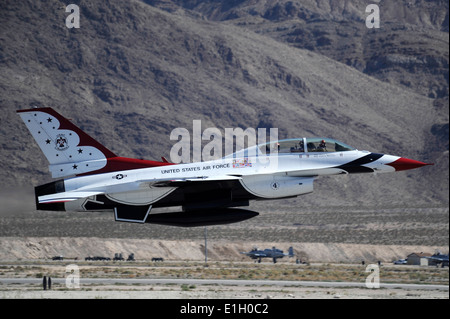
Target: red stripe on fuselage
[{"x": 117, "y": 163}]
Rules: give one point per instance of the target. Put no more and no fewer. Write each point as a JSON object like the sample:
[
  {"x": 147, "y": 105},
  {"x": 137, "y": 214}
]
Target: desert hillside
[
  {"x": 44, "y": 248},
  {"x": 136, "y": 70}
]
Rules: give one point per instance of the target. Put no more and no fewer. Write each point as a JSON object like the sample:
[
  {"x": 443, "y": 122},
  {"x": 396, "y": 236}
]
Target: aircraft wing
[
  {"x": 174, "y": 182},
  {"x": 65, "y": 197},
  {"x": 167, "y": 182},
  {"x": 254, "y": 254}
]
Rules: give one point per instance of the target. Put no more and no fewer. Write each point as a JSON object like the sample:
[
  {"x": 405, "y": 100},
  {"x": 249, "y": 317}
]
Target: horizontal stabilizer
[{"x": 65, "y": 197}]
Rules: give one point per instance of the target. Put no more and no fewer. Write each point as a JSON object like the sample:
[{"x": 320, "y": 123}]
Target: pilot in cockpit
[
  {"x": 301, "y": 146},
  {"x": 322, "y": 146}
]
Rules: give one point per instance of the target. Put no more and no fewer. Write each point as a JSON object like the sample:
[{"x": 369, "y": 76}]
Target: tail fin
[{"x": 69, "y": 150}]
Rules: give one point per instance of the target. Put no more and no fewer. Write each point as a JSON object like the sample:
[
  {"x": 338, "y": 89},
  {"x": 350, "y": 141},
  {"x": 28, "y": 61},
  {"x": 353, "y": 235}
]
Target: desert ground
[
  {"x": 330, "y": 242},
  {"x": 189, "y": 279}
]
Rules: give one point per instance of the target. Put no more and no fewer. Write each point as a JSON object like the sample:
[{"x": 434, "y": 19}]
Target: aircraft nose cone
[{"x": 403, "y": 164}]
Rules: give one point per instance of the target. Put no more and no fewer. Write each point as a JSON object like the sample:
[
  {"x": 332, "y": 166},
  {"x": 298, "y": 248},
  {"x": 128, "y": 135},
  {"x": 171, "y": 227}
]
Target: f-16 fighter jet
[{"x": 93, "y": 178}]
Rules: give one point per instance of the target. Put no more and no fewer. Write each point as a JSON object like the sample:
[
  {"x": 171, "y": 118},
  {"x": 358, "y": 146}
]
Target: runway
[{"x": 224, "y": 282}]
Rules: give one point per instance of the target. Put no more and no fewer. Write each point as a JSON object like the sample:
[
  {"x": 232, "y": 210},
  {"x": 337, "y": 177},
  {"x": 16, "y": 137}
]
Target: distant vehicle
[
  {"x": 118, "y": 257},
  {"x": 58, "y": 257},
  {"x": 273, "y": 253},
  {"x": 130, "y": 257},
  {"x": 400, "y": 262},
  {"x": 97, "y": 258},
  {"x": 157, "y": 259}
]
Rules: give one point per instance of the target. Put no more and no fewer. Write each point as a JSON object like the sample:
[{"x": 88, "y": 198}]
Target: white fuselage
[{"x": 275, "y": 176}]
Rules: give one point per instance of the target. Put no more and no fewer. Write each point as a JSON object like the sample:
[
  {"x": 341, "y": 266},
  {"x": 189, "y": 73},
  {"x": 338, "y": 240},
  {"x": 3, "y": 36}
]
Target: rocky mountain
[
  {"x": 136, "y": 70},
  {"x": 409, "y": 49}
]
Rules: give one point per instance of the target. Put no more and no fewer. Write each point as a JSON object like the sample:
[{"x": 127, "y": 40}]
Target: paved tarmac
[{"x": 224, "y": 282}]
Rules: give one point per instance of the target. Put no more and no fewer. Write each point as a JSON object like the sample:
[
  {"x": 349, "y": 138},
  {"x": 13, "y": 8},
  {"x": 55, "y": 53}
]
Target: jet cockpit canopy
[
  {"x": 305, "y": 145},
  {"x": 294, "y": 145}
]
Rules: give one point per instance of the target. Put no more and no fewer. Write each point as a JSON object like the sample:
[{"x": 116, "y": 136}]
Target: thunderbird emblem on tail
[
  {"x": 61, "y": 142},
  {"x": 96, "y": 179}
]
